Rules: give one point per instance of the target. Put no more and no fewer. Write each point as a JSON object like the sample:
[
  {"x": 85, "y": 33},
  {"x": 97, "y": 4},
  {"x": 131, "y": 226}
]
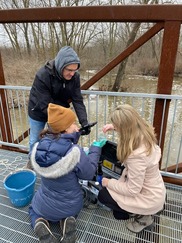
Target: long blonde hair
[{"x": 132, "y": 130}]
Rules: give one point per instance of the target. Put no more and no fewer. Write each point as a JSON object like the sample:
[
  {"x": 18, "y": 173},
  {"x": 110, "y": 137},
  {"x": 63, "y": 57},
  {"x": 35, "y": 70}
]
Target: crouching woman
[{"x": 140, "y": 190}]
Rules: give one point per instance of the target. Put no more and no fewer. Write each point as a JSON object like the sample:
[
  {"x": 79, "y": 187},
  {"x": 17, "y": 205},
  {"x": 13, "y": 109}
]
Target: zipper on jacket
[{"x": 64, "y": 86}]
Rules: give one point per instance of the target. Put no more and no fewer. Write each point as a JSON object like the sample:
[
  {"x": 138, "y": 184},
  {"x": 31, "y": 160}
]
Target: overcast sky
[{"x": 5, "y": 42}]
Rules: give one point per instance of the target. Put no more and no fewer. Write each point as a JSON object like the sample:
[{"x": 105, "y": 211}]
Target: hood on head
[{"x": 65, "y": 57}]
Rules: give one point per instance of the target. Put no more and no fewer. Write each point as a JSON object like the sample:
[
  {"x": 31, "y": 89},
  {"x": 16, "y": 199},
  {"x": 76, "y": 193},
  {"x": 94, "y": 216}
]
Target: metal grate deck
[{"x": 94, "y": 224}]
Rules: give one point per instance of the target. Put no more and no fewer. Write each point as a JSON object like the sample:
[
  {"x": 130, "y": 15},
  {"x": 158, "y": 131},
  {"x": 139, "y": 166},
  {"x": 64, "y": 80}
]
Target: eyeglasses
[{"x": 71, "y": 70}]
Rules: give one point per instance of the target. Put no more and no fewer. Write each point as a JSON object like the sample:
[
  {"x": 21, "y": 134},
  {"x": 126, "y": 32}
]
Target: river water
[
  {"x": 143, "y": 84},
  {"x": 133, "y": 84}
]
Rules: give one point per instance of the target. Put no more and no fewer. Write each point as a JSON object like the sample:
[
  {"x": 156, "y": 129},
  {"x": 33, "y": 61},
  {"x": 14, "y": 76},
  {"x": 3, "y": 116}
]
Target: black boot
[
  {"x": 68, "y": 227},
  {"x": 43, "y": 232}
]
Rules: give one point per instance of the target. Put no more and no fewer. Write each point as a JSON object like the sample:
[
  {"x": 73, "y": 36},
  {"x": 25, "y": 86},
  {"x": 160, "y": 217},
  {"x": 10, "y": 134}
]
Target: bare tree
[
  {"x": 13, "y": 30},
  {"x": 132, "y": 35},
  {"x": 122, "y": 66},
  {"x": 48, "y": 36}
]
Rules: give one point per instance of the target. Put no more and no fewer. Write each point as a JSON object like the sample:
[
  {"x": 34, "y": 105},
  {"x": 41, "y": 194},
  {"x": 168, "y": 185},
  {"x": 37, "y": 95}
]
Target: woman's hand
[
  {"x": 108, "y": 127},
  {"x": 105, "y": 181}
]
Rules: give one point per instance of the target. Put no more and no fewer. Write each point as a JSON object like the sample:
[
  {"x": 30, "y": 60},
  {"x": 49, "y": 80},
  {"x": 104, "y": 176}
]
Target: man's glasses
[{"x": 71, "y": 70}]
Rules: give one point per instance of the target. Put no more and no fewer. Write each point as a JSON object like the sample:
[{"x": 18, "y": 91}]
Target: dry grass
[{"x": 20, "y": 71}]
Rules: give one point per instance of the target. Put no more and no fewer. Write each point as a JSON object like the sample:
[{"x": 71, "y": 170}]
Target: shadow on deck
[{"x": 94, "y": 224}]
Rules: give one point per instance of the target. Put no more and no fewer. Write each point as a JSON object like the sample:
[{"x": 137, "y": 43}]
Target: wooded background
[{"x": 27, "y": 46}]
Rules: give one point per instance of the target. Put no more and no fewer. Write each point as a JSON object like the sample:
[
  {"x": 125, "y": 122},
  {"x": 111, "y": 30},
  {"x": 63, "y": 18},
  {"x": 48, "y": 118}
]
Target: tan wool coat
[{"x": 140, "y": 189}]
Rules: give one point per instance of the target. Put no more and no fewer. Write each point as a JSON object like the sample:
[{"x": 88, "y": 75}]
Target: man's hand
[{"x": 86, "y": 129}]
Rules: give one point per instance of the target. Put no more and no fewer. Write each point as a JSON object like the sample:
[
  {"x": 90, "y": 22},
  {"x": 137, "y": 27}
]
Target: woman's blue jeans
[{"x": 35, "y": 128}]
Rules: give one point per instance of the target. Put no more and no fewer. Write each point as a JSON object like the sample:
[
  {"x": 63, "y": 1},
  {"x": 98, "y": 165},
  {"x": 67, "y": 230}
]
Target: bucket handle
[{"x": 17, "y": 170}]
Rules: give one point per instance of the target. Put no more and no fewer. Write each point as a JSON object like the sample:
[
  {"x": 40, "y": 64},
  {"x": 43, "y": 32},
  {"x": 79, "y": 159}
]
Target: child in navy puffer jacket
[{"x": 60, "y": 162}]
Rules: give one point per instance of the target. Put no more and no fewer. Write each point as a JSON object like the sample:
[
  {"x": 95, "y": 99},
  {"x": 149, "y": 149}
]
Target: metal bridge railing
[{"x": 99, "y": 105}]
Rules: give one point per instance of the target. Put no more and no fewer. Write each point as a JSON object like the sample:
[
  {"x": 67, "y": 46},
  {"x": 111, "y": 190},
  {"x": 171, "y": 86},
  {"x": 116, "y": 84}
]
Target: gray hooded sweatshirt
[{"x": 65, "y": 57}]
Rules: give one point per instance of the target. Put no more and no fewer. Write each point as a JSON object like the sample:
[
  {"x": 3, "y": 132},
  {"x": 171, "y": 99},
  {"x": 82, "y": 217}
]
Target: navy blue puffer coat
[{"x": 61, "y": 163}]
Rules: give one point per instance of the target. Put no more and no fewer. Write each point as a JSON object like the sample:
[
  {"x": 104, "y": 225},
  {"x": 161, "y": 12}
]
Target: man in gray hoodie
[{"x": 56, "y": 82}]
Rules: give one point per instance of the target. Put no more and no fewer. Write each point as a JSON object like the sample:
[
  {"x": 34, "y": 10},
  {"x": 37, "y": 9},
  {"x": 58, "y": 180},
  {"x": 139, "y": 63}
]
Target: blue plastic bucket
[{"x": 20, "y": 187}]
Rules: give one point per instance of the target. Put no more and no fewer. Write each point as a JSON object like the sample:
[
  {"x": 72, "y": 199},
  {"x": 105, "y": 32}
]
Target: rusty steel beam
[
  {"x": 114, "y": 13},
  {"x": 166, "y": 73},
  {"x": 168, "y": 56},
  {"x": 13, "y": 149},
  {"x": 5, "y": 122},
  {"x": 174, "y": 168},
  {"x": 22, "y": 136},
  {"x": 174, "y": 181}
]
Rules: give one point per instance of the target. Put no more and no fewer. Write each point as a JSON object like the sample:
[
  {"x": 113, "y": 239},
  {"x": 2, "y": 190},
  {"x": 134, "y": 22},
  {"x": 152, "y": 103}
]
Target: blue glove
[{"x": 100, "y": 143}]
